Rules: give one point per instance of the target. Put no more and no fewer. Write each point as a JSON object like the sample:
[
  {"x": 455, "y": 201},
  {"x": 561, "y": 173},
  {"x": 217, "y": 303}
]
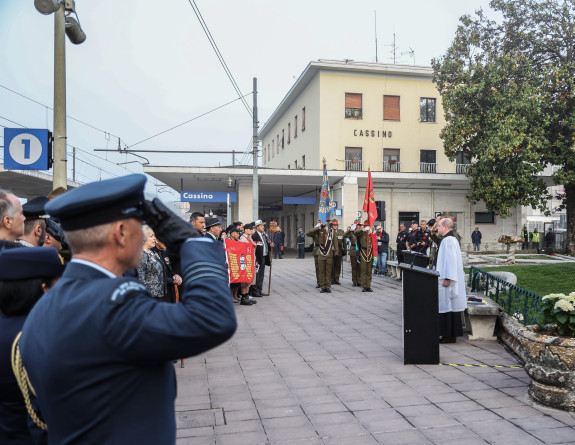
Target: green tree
[{"x": 508, "y": 92}]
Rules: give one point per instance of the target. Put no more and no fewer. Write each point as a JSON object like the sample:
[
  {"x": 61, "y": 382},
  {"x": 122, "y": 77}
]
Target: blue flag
[{"x": 325, "y": 203}]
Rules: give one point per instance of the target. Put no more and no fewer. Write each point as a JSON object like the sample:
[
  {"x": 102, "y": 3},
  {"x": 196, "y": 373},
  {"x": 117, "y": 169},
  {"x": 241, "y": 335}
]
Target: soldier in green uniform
[
  {"x": 323, "y": 237},
  {"x": 315, "y": 259},
  {"x": 339, "y": 250},
  {"x": 355, "y": 278},
  {"x": 365, "y": 255}
]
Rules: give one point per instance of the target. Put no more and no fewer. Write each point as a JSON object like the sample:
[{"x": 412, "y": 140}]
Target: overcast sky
[{"x": 147, "y": 66}]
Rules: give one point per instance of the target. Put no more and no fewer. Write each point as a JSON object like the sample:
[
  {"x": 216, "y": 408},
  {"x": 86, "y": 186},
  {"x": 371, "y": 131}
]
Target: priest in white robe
[{"x": 452, "y": 295}]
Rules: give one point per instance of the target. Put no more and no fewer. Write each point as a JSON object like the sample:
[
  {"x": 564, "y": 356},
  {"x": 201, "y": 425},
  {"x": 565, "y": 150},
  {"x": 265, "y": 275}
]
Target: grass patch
[{"x": 541, "y": 279}]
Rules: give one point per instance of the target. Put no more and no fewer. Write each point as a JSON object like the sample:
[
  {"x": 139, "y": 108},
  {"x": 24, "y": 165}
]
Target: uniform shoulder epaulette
[{"x": 125, "y": 287}]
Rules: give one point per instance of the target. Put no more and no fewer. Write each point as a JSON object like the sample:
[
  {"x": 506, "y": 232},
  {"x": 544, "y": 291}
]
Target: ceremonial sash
[{"x": 325, "y": 247}]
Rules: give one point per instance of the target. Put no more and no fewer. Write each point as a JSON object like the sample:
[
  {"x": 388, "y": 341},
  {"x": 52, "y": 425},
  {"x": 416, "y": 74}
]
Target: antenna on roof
[
  {"x": 375, "y": 26},
  {"x": 411, "y": 53}
]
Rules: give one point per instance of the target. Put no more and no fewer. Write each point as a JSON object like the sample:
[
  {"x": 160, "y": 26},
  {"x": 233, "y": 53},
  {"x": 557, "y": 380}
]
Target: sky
[{"x": 147, "y": 66}]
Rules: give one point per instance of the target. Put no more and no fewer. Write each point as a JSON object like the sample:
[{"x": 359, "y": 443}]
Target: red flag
[
  {"x": 369, "y": 201},
  {"x": 240, "y": 261}
]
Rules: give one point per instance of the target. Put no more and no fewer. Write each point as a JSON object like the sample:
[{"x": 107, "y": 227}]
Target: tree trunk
[{"x": 570, "y": 197}]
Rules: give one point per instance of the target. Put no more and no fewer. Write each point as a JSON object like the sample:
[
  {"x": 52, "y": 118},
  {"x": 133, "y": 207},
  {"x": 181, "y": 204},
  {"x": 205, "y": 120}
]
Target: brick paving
[{"x": 307, "y": 368}]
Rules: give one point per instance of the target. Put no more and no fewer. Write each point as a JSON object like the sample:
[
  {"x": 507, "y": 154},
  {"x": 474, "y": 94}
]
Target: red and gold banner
[
  {"x": 241, "y": 261},
  {"x": 369, "y": 200}
]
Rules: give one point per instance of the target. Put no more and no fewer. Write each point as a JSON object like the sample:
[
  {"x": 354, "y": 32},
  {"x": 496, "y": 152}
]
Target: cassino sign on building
[{"x": 208, "y": 196}]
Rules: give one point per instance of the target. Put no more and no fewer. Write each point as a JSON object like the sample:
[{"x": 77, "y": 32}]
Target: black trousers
[
  {"x": 300, "y": 250},
  {"x": 259, "y": 279}
]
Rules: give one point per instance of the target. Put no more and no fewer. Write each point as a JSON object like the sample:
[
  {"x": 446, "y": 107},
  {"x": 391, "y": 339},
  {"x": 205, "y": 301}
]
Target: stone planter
[{"x": 549, "y": 361}]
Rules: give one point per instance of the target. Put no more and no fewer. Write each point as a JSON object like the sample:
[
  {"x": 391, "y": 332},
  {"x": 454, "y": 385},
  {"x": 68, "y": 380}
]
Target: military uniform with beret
[
  {"x": 355, "y": 273},
  {"x": 365, "y": 254},
  {"x": 324, "y": 239},
  {"x": 98, "y": 349},
  {"x": 339, "y": 251}
]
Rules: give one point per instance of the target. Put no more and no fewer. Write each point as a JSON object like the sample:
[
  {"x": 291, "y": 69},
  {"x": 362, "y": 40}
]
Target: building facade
[
  {"x": 356, "y": 116},
  {"x": 387, "y": 118}
]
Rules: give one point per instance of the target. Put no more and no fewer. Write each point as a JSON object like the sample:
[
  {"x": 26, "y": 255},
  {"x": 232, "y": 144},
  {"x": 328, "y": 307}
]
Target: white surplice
[{"x": 450, "y": 266}]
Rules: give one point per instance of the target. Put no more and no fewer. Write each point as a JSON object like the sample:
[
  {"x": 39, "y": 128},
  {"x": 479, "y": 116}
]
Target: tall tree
[{"x": 508, "y": 92}]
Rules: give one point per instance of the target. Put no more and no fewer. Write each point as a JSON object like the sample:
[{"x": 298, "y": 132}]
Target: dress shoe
[
  {"x": 337, "y": 282},
  {"x": 325, "y": 291},
  {"x": 447, "y": 340},
  {"x": 317, "y": 286},
  {"x": 264, "y": 295},
  {"x": 258, "y": 295},
  {"x": 246, "y": 302},
  {"x": 369, "y": 289}
]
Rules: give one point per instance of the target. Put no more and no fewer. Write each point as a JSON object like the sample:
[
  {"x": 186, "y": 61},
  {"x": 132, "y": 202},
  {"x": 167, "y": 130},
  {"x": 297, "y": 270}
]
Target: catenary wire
[
  {"x": 219, "y": 55},
  {"x": 188, "y": 121}
]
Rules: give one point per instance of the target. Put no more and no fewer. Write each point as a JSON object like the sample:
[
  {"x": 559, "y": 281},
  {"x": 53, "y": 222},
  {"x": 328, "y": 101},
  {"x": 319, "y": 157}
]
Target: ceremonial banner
[
  {"x": 369, "y": 201},
  {"x": 241, "y": 261},
  {"x": 325, "y": 205}
]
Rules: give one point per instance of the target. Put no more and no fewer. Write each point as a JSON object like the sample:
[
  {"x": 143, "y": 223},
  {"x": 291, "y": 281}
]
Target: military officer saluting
[
  {"x": 313, "y": 235},
  {"x": 365, "y": 254},
  {"x": 97, "y": 348},
  {"x": 355, "y": 273},
  {"x": 323, "y": 237},
  {"x": 339, "y": 251}
]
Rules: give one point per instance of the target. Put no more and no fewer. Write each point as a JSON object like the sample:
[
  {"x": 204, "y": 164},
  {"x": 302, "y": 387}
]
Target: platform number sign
[{"x": 27, "y": 149}]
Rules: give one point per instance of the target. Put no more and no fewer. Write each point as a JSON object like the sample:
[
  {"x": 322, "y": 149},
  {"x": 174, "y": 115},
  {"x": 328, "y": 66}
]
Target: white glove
[
  {"x": 353, "y": 226},
  {"x": 318, "y": 225},
  {"x": 366, "y": 228}
]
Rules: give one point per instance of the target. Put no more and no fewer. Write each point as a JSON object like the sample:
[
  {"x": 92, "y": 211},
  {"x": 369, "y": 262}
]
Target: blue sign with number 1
[{"x": 26, "y": 149}]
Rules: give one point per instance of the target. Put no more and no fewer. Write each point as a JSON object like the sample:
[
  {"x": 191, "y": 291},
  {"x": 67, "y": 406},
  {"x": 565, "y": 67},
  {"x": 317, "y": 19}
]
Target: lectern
[
  {"x": 420, "y": 315},
  {"x": 415, "y": 258}
]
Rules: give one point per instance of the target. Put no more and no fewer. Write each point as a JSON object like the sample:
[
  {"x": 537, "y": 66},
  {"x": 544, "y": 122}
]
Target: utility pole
[
  {"x": 255, "y": 189},
  {"x": 60, "y": 164}
]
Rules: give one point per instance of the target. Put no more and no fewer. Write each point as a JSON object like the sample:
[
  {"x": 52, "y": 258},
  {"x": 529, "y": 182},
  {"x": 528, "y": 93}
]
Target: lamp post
[{"x": 63, "y": 24}]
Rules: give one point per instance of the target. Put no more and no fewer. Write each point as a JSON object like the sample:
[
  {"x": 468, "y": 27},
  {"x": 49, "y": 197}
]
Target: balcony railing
[
  {"x": 354, "y": 165},
  {"x": 428, "y": 167},
  {"x": 391, "y": 166},
  {"x": 461, "y": 169}
]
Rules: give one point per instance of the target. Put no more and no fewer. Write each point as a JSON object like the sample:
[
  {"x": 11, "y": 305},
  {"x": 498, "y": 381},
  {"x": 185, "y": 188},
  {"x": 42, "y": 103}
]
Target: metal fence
[{"x": 522, "y": 304}]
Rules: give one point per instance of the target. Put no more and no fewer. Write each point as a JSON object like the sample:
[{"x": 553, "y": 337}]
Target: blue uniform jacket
[{"x": 99, "y": 350}]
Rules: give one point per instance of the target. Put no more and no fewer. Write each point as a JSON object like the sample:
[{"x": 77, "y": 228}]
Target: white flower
[
  {"x": 564, "y": 306},
  {"x": 553, "y": 296}
]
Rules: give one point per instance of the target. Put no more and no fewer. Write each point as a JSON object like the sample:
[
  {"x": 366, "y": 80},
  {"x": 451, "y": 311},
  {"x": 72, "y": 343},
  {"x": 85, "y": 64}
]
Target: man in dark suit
[
  {"x": 97, "y": 348},
  {"x": 262, "y": 257}
]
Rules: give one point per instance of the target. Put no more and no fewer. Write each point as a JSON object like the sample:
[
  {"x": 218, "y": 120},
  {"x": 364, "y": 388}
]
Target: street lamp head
[
  {"x": 46, "y": 7},
  {"x": 74, "y": 31}
]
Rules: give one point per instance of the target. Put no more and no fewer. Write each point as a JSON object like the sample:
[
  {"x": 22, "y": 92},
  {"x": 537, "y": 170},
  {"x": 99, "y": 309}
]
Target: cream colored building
[
  {"x": 384, "y": 117},
  {"x": 355, "y": 115}
]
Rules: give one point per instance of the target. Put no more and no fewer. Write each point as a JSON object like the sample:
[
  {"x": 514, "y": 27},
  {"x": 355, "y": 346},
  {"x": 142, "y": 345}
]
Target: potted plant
[{"x": 549, "y": 352}]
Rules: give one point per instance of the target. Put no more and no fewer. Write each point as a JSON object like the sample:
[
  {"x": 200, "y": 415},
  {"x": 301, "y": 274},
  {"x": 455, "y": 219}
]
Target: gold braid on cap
[{"x": 24, "y": 382}]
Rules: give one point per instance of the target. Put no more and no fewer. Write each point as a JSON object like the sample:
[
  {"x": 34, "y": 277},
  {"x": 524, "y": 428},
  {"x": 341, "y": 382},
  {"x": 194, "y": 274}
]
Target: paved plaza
[{"x": 307, "y": 368}]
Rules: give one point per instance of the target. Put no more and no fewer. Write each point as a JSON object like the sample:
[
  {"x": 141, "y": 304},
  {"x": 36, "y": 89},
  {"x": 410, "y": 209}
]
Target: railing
[
  {"x": 461, "y": 169},
  {"x": 428, "y": 167},
  {"x": 392, "y": 254},
  {"x": 354, "y": 165},
  {"x": 391, "y": 166},
  {"x": 522, "y": 304}
]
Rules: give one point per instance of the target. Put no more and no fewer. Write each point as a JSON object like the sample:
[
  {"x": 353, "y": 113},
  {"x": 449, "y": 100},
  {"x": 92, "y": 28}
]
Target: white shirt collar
[{"x": 94, "y": 266}]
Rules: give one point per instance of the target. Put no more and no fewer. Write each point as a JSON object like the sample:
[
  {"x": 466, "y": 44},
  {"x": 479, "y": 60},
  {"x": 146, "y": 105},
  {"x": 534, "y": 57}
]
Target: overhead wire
[
  {"x": 219, "y": 54},
  {"x": 186, "y": 122},
  {"x": 52, "y": 109}
]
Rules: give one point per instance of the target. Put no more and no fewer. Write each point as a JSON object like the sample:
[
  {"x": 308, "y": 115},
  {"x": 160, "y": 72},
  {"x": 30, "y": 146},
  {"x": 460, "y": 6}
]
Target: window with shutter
[
  {"x": 353, "y": 106},
  {"x": 391, "y": 108}
]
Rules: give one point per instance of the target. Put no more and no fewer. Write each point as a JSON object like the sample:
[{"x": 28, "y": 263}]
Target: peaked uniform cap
[
  {"x": 23, "y": 263},
  {"x": 100, "y": 202},
  {"x": 34, "y": 209}
]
